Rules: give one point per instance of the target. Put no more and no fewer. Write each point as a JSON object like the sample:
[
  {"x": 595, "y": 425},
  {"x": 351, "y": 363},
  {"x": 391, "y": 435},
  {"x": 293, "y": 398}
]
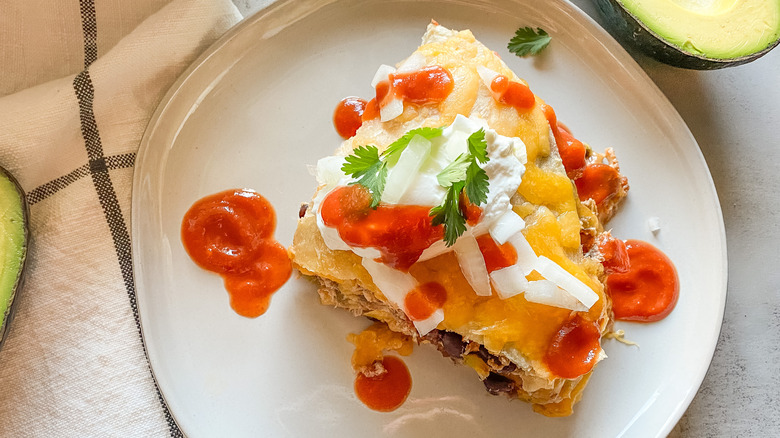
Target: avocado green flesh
[
  {"x": 716, "y": 29},
  {"x": 13, "y": 243}
]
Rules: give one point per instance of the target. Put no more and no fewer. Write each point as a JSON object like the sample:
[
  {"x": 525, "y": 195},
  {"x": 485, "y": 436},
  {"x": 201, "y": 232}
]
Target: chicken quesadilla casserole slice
[{"x": 452, "y": 216}]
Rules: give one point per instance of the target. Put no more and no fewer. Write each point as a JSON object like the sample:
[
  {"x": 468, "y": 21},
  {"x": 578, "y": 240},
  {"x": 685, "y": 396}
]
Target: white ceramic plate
[{"x": 256, "y": 109}]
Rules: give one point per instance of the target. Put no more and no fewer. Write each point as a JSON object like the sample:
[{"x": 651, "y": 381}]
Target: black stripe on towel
[
  {"x": 99, "y": 170},
  {"x": 89, "y": 27},
  {"x": 38, "y": 194}
]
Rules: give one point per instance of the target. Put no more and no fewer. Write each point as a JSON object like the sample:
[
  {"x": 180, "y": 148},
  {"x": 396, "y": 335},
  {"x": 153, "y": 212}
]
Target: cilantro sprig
[
  {"x": 528, "y": 42},
  {"x": 462, "y": 176},
  {"x": 370, "y": 168}
]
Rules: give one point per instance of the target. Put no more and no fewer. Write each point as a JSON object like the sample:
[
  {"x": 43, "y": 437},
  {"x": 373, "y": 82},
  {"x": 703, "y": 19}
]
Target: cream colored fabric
[{"x": 73, "y": 363}]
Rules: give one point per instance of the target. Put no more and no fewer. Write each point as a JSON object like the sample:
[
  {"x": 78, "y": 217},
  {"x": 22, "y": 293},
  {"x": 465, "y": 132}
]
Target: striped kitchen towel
[{"x": 79, "y": 81}]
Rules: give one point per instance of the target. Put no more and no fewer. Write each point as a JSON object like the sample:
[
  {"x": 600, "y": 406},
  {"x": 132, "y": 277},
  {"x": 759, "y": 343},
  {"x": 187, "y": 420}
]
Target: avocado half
[
  {"x": 14, "y": 237},
  {"x": 695, "y": 34}
]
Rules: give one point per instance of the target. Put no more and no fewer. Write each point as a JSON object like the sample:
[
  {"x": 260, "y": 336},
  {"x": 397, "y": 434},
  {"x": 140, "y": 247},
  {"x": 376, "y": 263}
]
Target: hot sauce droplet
[
  {"x": 231, "y": 233},
  {"x": 512, "y": 93},
  {"x": 387, "y": 391},
  {"x": 599, "y": 182},
  {"x": 649, "y": 290},
  {"x": 614, "y": 254},
  {"x": 372, "y": 110},
  {"x": 471, "y": 211},
  {"x": 348, "y": 116},
  {"x": 571, "y": 150},
  {"x": 574, "y": 348},
  {"x": 496, "y": 256},
  {"x": 427, "y": 85},
  {"x": 425, "y": 299}
]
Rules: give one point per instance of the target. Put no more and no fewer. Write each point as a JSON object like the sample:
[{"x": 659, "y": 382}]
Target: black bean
[
  {"x": 453, "y": 344},
  {"x": 497, "y": 384},
  {"x": 483, "y": 353},
  {"x": 433, "y": 336}
]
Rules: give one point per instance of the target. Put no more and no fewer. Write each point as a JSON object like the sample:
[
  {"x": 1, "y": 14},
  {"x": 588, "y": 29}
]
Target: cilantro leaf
[
  {"x": 527, "y": 42},
  {"x": 361, "y": 160},
  {"x": 374, "y": 180},
  {"x": 449, "y": 214},
  {"x": 477, "y": 184},
  {"x": 394, "y": 150},
  {"x": 462, "y": 175},
  {"x": 371, "y": 172},
  {"x": 478, "y": 146},
  {"x": 455, "y": 171}
]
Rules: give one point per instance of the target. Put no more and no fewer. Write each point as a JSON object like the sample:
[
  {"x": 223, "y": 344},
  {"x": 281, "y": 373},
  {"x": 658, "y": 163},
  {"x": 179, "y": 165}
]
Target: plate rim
[{"x": 312, "y": 6}]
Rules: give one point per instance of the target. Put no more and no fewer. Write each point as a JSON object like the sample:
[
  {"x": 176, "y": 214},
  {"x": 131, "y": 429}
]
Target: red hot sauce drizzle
[
  {"x": 512, "y": 93},
  {"x": 400, "y": 232},
  {"x": 428, "y": 85},
  {"x": 571, "y": 150},
  {"x": 231, "y": 233},
  {"x": 496, "y": 256},
  {"x": 574, "y": 348},
  {"x": 424, "y": 300}
]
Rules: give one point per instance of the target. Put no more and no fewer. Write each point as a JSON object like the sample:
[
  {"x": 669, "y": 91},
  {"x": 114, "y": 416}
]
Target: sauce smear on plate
[
  {"x": 649, "y": 290},
  {"x": 231, "y": 233}
]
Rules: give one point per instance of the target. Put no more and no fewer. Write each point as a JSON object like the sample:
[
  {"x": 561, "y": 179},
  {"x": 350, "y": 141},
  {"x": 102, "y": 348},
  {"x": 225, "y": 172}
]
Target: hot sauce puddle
[
  {"x": 387, "y": 391},
  {"x": 649, "y": 290},
  {"x": 231, "y": 233}
]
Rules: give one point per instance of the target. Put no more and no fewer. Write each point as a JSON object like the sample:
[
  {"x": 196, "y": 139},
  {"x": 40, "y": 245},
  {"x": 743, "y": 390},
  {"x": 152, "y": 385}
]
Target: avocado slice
[
  {"x": 695, "y": 34},
  {"x": 14, "y": 236}
]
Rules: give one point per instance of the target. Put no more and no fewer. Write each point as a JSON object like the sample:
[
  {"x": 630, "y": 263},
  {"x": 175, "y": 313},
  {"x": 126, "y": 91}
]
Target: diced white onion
[
  {"x": 436, "y": 249},
  {"x": 472, "y": 264},
  {"x": 548, "y": 293},
  {"x": 654, "y": 224},
  {"x": 412, "y": 63},
  {"x": 393, "y": 283},
  {"x": 487, "y": 75},
  {"x": 391, "y": 110},
  {"x": 456, "y": 144},
  {"x": 526, "y": 257},
  {"x": 508, "y": 281},
  {"x": 509, "y": 224},
  {"x": 404, "y": 173},
  {"x": 521, "y": 152},
  {"x": 382, "y": 74},
  {"x": 329, "y": 170},
  {"x": 430, "y": 323},
  {"x": 566, "y": 281}
]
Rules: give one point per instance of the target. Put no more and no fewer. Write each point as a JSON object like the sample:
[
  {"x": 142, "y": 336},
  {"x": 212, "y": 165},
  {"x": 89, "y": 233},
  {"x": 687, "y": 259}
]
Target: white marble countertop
[{"x": 734, "y": 114}]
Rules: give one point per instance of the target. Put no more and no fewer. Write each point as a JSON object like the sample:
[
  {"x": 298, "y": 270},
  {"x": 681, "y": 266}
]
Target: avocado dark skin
[
  {"x": 14, "y": 240},
  {"x": 630, "y": 31}
]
